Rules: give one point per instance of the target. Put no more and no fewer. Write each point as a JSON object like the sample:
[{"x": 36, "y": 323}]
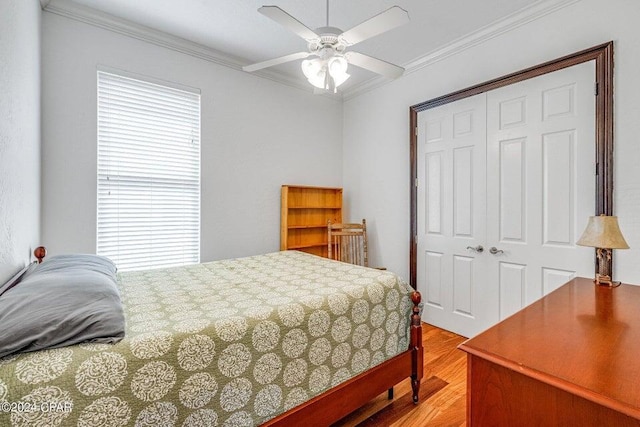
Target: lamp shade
[{"x": 603, "y": 232}]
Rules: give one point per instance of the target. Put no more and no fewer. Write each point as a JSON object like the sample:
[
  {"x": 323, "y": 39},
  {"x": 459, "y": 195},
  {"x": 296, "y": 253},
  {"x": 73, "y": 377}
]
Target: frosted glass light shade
[
  {"x": 338, "y": 70},
  {"x": 340, "y": 78},
  {"x": 311, "y": 67},
  {"x": 338, "y": 65},
  {"x": 603, "y": 232},
  {"x": 316, "y": 70},
  {"x": 318, "y": 81}
]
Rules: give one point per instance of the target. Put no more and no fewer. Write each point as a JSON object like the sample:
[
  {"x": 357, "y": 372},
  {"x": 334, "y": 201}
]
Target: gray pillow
[
  {"x": 65, "y": 300},
  {"x": 18, "y": 276}
]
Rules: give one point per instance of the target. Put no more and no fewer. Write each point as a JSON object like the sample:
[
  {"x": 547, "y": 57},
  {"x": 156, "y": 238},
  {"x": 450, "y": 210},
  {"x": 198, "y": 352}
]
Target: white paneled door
[
  {"x": 451, "y": 214},
  {"x": 506, "y": 184}
]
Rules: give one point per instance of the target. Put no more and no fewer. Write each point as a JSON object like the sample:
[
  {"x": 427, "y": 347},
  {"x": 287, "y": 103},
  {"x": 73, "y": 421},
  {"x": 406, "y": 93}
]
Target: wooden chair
[{"x": 348, "y": 243}]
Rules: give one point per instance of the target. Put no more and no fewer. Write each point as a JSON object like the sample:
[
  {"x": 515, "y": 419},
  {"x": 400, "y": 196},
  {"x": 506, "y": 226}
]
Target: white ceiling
[{"x": 235, "y": 27}]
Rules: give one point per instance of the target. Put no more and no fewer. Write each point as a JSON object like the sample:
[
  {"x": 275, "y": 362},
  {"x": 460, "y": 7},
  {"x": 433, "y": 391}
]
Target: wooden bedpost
[
  {"x": 416, "y": 346},
  {"x": 40, "y": 252}
]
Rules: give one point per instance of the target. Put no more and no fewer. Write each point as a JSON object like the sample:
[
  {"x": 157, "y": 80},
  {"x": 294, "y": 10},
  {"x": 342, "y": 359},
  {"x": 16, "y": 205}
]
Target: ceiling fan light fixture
[
  {"x": 326, "y": 74},
  {"x": 315, "y": 72}
]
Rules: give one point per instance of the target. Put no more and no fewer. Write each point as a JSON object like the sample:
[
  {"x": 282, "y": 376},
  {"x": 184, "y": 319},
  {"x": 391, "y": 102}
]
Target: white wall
[
  {"x": 19, "y": 133},
  {"x": 376, "y": 138},
  {"x": 256, "y": 136}
]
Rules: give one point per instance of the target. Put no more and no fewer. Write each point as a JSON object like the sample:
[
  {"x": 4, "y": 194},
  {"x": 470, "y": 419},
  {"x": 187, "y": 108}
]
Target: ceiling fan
[{"x": 329, "y": 45}]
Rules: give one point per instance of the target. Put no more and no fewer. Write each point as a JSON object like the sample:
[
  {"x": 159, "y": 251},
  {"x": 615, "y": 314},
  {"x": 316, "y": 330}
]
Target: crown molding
[
  {"x": 96, "y": 18},
  {"x": 488, "y": 32}
]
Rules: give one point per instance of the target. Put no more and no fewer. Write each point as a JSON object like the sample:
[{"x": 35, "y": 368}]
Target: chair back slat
[{"x": 348, "y": 243}]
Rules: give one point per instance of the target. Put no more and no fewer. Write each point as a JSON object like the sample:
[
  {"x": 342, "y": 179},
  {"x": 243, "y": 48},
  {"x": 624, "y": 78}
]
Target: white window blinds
[{"x": 148, "y": 173}]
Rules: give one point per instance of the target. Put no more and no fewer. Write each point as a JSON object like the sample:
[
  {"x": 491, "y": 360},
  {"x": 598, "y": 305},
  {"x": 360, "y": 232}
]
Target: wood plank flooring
[{"x": 442, "y": 391}]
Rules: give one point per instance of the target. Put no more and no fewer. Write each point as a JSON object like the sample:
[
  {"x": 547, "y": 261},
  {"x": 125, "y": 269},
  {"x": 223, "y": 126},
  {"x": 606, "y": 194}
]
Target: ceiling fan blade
[
  {"x": 370, "y": 63},
  {"x": 275, "y": 61},
  {"x": 385, "y": 21},
  {"x": 289, "y": 22}
]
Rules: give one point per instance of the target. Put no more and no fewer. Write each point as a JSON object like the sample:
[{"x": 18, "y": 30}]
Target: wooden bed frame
[{"x": 339, "y": 401}]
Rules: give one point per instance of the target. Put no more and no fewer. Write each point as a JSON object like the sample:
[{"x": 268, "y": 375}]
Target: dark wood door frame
[{"x": 603, "y": 56}]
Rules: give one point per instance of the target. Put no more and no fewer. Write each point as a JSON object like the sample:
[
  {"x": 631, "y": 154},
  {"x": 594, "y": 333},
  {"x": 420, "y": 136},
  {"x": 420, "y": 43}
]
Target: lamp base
[{"x": 604, "y": 280}]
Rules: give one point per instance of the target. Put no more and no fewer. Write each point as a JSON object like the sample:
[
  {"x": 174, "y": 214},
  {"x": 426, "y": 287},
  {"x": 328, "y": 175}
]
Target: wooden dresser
[{"x": 569, "y": 359}]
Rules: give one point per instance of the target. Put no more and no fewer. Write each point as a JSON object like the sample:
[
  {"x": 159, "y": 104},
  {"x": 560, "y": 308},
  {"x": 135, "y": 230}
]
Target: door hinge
[
  {"x": 597, "y": 168},
  {"x": 416, "y": 182},
  {"x": 416, "y": 130},
  {"x": 596, "y": 88}
]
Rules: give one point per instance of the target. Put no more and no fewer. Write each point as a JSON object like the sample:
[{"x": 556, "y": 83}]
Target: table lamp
[{"x": 603, "y": 233}]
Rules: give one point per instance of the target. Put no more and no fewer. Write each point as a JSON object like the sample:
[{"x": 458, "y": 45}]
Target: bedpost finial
[
  {"x": 416, "y": 298},
  {"x": 415, "y": 317},
  {"x": 40, "y": 252}
]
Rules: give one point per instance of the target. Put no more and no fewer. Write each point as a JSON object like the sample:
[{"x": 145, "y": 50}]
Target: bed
[{"x": 285, "y": 338}]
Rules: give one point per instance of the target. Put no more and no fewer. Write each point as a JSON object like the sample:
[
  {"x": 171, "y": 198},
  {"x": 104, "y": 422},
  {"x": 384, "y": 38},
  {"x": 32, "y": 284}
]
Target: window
[{"x": 148, "y": 173}]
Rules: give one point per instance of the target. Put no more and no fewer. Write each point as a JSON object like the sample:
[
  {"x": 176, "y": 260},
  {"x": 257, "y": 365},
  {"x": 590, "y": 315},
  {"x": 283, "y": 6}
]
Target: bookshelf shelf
[{"x": 304, "y": 214}]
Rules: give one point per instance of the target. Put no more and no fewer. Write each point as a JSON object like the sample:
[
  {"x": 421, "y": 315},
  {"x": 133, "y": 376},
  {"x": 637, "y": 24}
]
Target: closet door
[
  {"x": 540, "y": 183},
  {"x": 451, "y": 216},
  {"x": 511, "y": 171}
]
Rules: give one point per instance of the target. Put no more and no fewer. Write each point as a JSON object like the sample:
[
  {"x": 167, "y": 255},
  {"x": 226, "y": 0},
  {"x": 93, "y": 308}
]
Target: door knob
[
  {"x": 478, "y": 248},
  {"x": 495, "y": 250}
]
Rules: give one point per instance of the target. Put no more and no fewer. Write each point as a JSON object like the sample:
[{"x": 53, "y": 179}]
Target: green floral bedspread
[{"x": 228, "y": 343}]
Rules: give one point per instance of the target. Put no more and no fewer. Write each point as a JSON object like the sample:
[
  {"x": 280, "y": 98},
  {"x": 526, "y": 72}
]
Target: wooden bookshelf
[{"x": 304, "y": 215}]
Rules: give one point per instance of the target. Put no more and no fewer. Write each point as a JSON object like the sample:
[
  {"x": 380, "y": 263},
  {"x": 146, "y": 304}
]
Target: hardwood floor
[{"x": 442, "y": 391}]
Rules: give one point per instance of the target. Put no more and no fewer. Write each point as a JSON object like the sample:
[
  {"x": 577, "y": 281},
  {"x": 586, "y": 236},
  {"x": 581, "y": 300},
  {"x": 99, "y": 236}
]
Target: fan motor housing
[{"x": 328, "y": 38}]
